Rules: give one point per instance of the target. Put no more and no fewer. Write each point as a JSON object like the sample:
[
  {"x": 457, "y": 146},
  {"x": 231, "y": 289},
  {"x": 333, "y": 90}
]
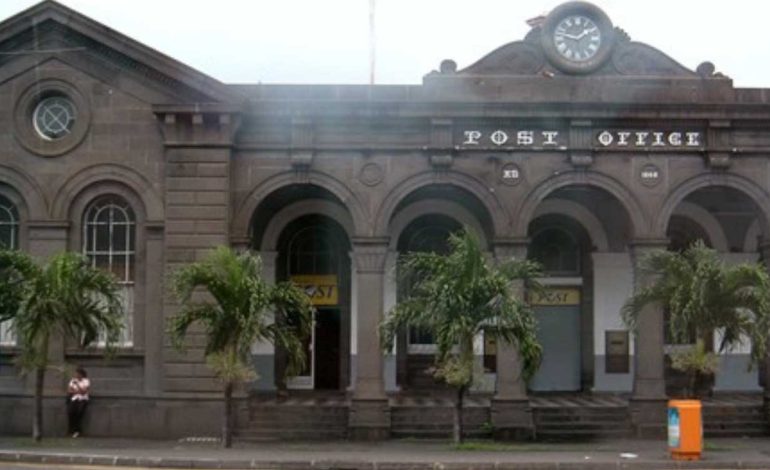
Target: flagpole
[{"x": 372, "y": 48}]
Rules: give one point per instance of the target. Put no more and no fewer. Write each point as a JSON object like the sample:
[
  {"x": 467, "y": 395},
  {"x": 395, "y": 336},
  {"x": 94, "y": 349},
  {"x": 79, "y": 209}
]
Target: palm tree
[
  {"x": 65, "y": 298},
  {"x": 456, "y": 297},
  {"x": 237, "y": 312},
  {"x": 703, "y": 295}
]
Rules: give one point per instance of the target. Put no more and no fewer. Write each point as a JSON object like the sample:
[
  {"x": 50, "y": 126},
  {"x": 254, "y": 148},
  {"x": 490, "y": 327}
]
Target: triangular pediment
[{"x": 51, "y": 30}]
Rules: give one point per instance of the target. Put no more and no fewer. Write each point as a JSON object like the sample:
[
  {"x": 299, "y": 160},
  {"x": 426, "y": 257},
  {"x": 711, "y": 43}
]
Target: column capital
[
  {"x": 240, "y": 243},
  {"x": 649, "y": 243},
  {"x": 510, "y": 247},
  {"x": 511, "y": 241},
  {"x": 369, "y": 253}
]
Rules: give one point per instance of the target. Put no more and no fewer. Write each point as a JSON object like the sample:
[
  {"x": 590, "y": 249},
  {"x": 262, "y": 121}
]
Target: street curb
[{"x": 343, "y": 464}]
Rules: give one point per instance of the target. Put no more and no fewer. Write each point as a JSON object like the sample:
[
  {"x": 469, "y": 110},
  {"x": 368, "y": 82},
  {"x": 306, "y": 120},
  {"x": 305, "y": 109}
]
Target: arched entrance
[
  {"x": 723, "y": 218},
  {"x": 427, "y": 233},
  {"x": 580, "y": 234},
  {"x": 313, "y": 252},
  {"x": 564, "y": 326}
]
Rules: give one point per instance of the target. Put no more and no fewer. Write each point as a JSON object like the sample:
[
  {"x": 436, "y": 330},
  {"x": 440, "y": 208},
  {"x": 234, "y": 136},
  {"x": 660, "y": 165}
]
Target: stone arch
[
  {"x": 750, "y": 189},
  {"x": 535, "y": 197},
  {"x": 706, "y": 221},
  {"x": 103, "y": 188},
  {"x": 25, "y": 192},
  {"x": 244, "y": 212},
  {"x": 93, "y": 178},
  {"x": 293, "y": 211},
  {"x": 583, "y": 216},
  {"x": 456, "y": 211},
  {"x": 751, "y": 242},
  {"x": 478, "y": 189}
]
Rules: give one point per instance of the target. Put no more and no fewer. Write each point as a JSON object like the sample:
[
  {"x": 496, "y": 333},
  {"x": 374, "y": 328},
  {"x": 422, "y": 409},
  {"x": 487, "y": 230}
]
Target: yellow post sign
[
  {"x": 557, "y": 296},
  {"x": 321, "y": 288}
]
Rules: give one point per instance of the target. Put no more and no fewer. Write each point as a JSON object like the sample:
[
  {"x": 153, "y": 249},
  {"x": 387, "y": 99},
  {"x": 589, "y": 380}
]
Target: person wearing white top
[{"x": 77, "y": 400}]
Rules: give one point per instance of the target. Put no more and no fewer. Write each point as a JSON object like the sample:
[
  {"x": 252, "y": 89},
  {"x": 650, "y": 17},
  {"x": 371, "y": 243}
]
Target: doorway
[{"x": 313, "y": 254}]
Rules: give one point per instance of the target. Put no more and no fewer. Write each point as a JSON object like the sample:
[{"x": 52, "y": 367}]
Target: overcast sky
[{"x": 327, "y": 41}]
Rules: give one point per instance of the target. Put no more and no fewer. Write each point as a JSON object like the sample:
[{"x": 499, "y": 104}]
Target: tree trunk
[
  {"x": 37, "y": 425},
  {"x": 227, "y": 427},
  {"x": 458, "y": 421}
]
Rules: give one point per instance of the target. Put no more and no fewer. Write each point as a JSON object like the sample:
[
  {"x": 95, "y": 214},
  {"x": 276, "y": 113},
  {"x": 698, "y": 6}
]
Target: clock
[{"x": 577, "y": 37}]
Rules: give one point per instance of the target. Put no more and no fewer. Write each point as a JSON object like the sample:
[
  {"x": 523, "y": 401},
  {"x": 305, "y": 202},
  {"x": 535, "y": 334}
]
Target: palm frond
[
  {"x": 459, "y": 295},
  {"x": 226, "y": 295},
  {"x": 702, "y": 295}
]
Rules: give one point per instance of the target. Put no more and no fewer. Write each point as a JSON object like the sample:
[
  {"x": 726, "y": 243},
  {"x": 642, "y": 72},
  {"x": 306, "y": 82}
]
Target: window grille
[
  {"x": 9, "y": 240},
  {"x": 109, "y": 241}
]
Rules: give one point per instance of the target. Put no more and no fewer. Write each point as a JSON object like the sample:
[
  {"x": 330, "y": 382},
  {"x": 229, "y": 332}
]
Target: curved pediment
[
  {"x": 577, "y": 38},
  {"x": 628, "y": 58}
]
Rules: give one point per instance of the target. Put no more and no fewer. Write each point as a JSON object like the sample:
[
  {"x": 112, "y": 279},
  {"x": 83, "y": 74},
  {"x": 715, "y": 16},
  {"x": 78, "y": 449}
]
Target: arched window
[
  {"x": 426, "y": 234},
  {"x": 9, "y": 225},
  {"x": 557, "y": 251},
  {"x": 312, "y": 250},
  {"x": 9, "y": 240},
  {"x": 109, "y": 241}
]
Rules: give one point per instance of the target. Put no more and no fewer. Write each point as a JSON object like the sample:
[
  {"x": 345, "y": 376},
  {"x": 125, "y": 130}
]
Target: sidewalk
[{"x": 394, "y": 454}]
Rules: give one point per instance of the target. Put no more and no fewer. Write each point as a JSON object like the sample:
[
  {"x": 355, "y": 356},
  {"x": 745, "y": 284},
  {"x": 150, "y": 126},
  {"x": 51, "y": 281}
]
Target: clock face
[{"x": 577, "y": 38}]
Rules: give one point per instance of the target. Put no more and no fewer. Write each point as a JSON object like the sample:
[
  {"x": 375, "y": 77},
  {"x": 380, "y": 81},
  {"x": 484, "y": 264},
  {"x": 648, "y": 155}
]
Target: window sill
[
  {"x": 9, "y": 350},
  {"x": 100, "y": 352}
]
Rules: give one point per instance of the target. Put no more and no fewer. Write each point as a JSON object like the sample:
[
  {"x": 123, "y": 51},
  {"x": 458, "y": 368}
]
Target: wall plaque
[{"x": 616, "y": 352}]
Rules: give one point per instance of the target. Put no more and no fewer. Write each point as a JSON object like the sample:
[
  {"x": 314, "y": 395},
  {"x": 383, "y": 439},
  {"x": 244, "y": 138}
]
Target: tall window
[
  {"x": 9, "y": 240},
  {"x": 109, "y": 240}
]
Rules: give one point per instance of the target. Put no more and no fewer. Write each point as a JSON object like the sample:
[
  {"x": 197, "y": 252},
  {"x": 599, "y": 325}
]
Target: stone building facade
[{"x": 575, "y": 146}]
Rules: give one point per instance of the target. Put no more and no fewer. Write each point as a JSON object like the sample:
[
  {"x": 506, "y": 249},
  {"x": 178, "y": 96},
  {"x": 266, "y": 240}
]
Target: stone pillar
[
  {"x": 764, "y": 251},
  {"x": 511, "y": 412},
  {"x": 389, "y": 301},
  {"x": 369, "y": 411},
  {"x": 648, "y": 401},
  {"x": 154, "y": 327},
  {"x": 264, "y": 353},
  {"x": 197, "y": 189},
  {"x": 48, "y": 238}
]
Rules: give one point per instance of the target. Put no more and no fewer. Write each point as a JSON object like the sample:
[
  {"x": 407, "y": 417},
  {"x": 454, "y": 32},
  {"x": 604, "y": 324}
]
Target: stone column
[
  {"x": 511, "y": 412},
  {"x": 369, "y": 411},
  {"x": 648, "y": 401}
]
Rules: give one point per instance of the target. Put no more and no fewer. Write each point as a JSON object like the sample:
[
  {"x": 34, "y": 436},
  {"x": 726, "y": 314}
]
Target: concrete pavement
[{"x": 394, "y": 454}]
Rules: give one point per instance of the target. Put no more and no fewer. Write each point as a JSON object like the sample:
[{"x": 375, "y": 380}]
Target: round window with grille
[{"x": 54, "y": 117}]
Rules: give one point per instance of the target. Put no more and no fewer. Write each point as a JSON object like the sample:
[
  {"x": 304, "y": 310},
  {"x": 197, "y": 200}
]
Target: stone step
[
  {"x": 577, "y": 434},
  {"x": 280, "y": 435},
  {"x": 570, "y": 422},
  {"x": 581, "y": 417}
]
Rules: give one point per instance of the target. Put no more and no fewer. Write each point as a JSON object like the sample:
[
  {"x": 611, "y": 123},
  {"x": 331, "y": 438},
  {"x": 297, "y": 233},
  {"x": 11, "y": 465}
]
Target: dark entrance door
[
  {"x": 327, "y": 349},
  {"x": 313, "y": 254}
]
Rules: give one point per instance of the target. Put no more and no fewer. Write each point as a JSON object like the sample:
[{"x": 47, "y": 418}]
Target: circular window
[
  {"x": 54, "y": 117},
  {"x": 51, "y": 117}
]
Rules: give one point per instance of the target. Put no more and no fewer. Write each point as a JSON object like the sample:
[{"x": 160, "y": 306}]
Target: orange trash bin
[{"x": 685, "y": 429}]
